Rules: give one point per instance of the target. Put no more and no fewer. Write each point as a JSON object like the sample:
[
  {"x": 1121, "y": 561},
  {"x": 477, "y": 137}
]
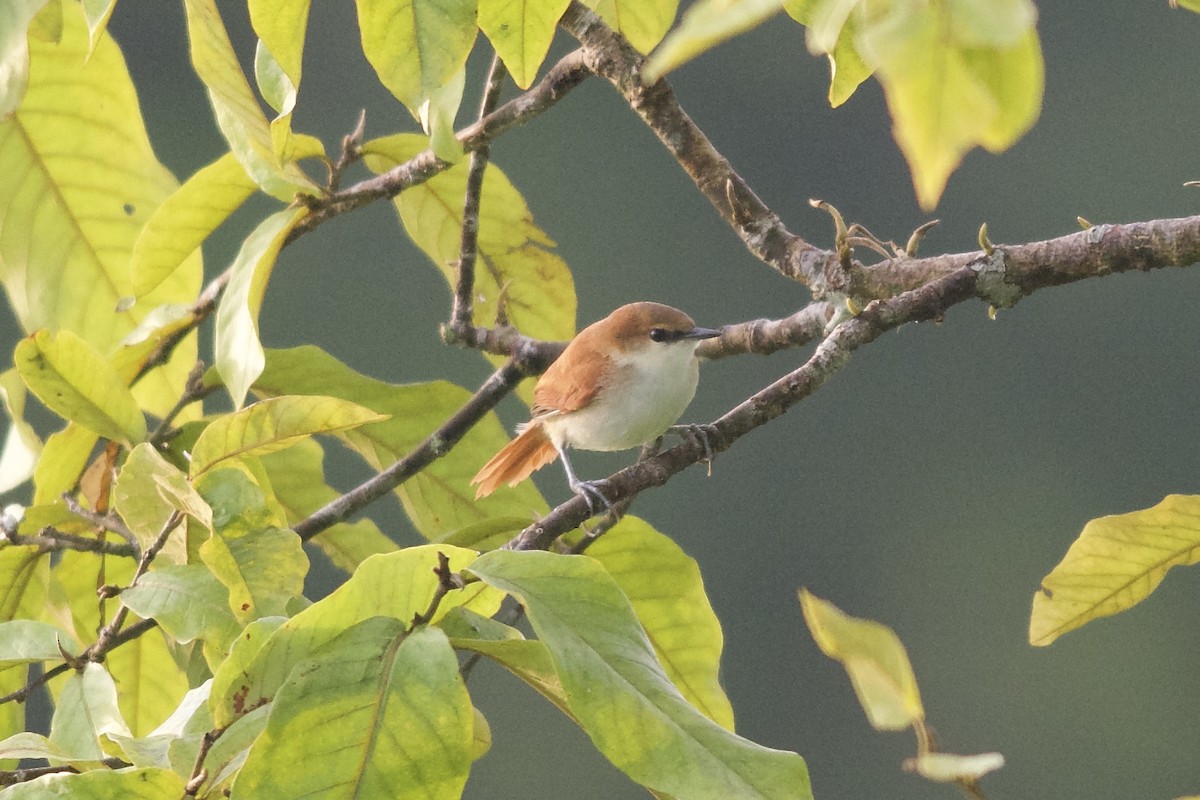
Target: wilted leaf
[
  {"x": 873, "y": 657},
  {"x": 1116, "y": 562},
  {"x": 949, "y": 768}
]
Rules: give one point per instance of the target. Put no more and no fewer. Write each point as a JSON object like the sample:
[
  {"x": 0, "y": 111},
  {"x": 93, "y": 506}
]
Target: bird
[{"x": 620, "y": 383}]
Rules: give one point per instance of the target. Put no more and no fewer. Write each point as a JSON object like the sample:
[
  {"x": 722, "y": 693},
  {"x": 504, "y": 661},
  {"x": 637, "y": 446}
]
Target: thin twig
[
  {"x": 437, "y": 444},
  {"x": 461, "y": 313},
  {"x": 52, "y": 540},
  {"x": 199, "y": 773}
]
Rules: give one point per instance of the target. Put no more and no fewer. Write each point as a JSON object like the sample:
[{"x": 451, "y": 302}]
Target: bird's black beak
[{"x": 702, "y": 333}]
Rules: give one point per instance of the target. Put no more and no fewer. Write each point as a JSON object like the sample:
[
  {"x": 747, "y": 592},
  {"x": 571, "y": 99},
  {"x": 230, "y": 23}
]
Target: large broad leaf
[
  {"x": 416, "y": 46},
  {"x": 239, "y": 354},
  {"x": 642, "y": 22},
  {"x": 23, "y": 641},
  {"x": 706, "y": 24},
  {"x": 280, "y": 25},
  {"x": 873, "y": 657},
  {"x": 133, "y": 783},
  {"x": 393, "y": 715},
  {"x": 24, "y": 572},
  {"x": 521, "y": 32},
  {"x": 187, "y": 601},
  {"x": 517, "y": 269},
  {"x": 148, "y": 490},
  {"x": 238, "y": 114},
  {"x": 397, "y": 585},
  {"x": 438, "y": 499},
  {"x": 664, "y": 585},
  {"x": 86, "y": 708},
  {"x": 615, "y": 686},
  {"x": 80, "y": 182},
  {"x": 261, "y": 562},
  {"x": 64, "y": 457},
  {"x": 298, "y": 480},
  {"x": 1116, "y": 562},
  {"x": 77, "y": 383},
  {"x": 185, "y": 219},
  {"x": 955, "y": 76},
  {"x": 275, "y": 424}
]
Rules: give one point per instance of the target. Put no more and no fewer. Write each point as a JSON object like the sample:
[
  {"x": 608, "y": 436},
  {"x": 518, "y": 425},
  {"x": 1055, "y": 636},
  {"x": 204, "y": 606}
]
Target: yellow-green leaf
[
  {"x": 438, "y": 499},
  {"x": 523, "y": 273},
  {"x": 642, "y": 22},
  {"x": 396, "y": 585},
  {"x": 81, "y": 181},
  {"x": 874, "y": 658},
  {"x": 86, "y": 708},
  {"x": 239, "y": 354},
  {"x": 1116, "y": 562},
  {"x": 185, "y": 219},
  {"x": 147, "y": 491},
  {"x": 280, "y": 25},
  {"x": 273, "y": 424},
  {"x": 521, "y": 32},
  {"x": 830, "y": 30},
  {"x": 74, "y": 381},
  {"x": 394, "y": 718},
  {"x": 437, "y": 113},
  {"x": 239, "y": 116},
  {"x": 416, "y": 46},
  {"x": 847, "y": 70},
  {"x": 704, "y": 25},
  {"x": 97, "y": 13},
  {"x": 64, "y": 457},
  {"x": 667, "y": 592},
  {"x": 15, "y": 17},
  {"x": 131, "y": 783},
  {"x": 298, "y": 480},
  {"x": 945, "y": 88}
]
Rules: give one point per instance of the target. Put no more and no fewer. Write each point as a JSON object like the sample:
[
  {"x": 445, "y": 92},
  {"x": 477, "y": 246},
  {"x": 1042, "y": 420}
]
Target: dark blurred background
[{"x": 930, "y": 485}]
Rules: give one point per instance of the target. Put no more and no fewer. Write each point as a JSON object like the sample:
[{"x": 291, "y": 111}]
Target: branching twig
[
  {"x": 461, "y": 314},
  {"x": 199, "y": 773},
  {"x": 53, "y": 540},
  {"x": 564, "y": 76}
]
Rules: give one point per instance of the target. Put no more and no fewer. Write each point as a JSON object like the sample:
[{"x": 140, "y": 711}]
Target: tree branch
[{"x": 564, "y": 76}]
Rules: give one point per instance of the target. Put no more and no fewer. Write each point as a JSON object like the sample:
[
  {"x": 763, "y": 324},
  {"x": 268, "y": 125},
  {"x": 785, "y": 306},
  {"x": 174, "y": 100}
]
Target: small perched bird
[{"x": 621, "y": 382}]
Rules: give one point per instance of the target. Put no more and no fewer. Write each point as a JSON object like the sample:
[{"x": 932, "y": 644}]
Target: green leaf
[
  {"x": 262, "y": 564},
  {"x": 298, "y": 479},
  {"x": 147, "y": 491},
  {"x": 394, "y": 717},
  {"x": 705, "y": 25},
  {"x": 642, "y": 22},
  {"x": 187, "y": 601},
  {"x": 847, "y": 70},
  {"x": 437, "y": 114},
  {"x": 84, "y": 709},
  {"x": 667, "y": 593},
  {"x": 76, "y": 382},
  {"x": 874, "y": 658},
  {"x": 226, "y": 700},
  {"x": 15, "y": 17},
  {"x": 97, "y": 13},
  {"x": 275, "y": 424},
  {"x": 24, "y": 572},
  {"x": 524, "y": 275},
  {"x": 225, "y": 759},
  {"x": 185, "y": 219},
  {"x": 23, "y": 641},
  {"x": 190, "y": 719},
  {"x": 31, "y": 745},
  {"x": 133, "y": 783},
  {"x": 280, "y": 25},
  {"x": 614, "y": 685},
  {"x": 521, "y": 32},
  {"x": 528, "y": 660},
  {"x": 944, "y": 85},
  {"x": 239, "y": 116},
  {"x": 88, "y": 182},
  {"x": 1116, "y": 562},
  {"x": 397, "y": 585},
  {"x": 438, "y": 499},
  {"x": 22, "y": 446},
  {"x": 416, "y": 46},
  {"x": 64, "y": 457},
  {"x": 239, "y": 354}
]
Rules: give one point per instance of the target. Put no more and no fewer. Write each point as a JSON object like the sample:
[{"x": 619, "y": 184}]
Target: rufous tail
[{"x": 518, "y": 459}]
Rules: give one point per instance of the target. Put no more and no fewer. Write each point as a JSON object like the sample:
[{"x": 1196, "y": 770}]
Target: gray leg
[{"x": 588, "y": 490}]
